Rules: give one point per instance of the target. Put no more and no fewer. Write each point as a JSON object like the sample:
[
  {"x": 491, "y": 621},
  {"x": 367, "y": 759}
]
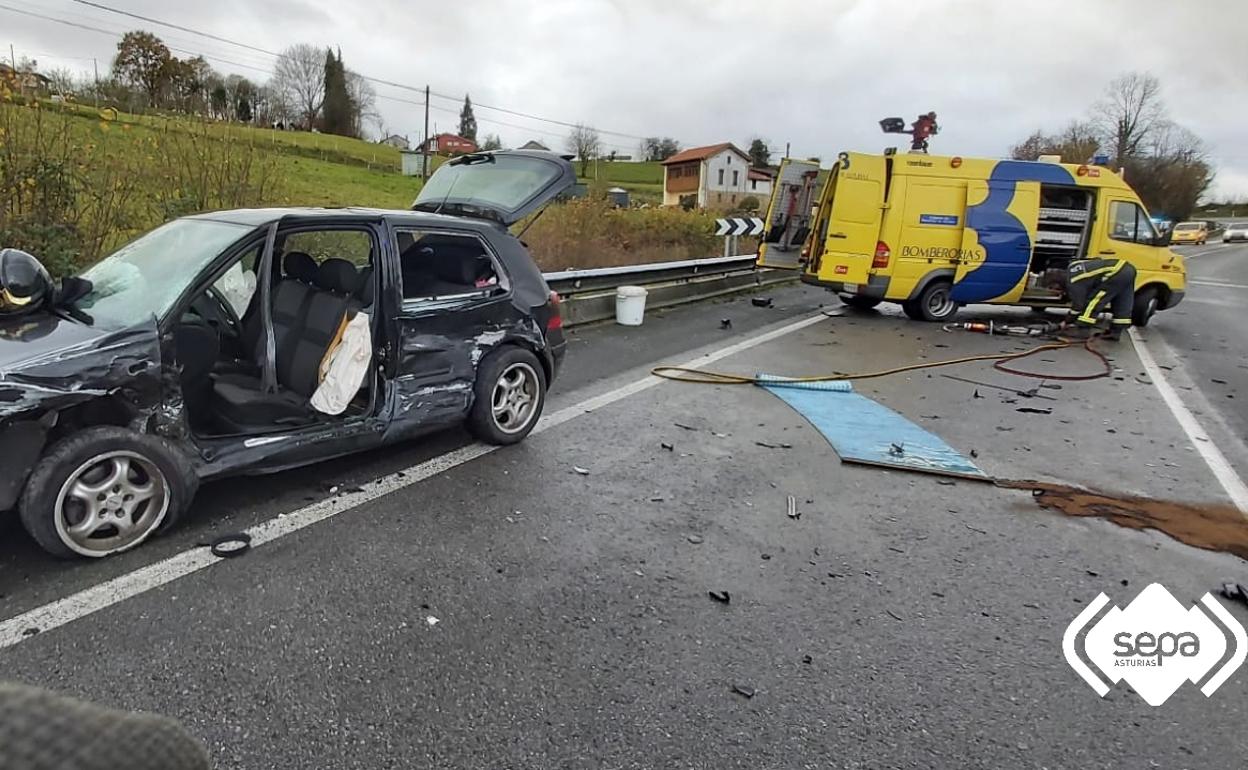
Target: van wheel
[
  {"x": 105, "y": 490},
  {"x": 858, "y": 302},
  {"x": 934, "y": 303},
  {"x": 508, "y": 396},
  {"x": 1145, "y": 306}
]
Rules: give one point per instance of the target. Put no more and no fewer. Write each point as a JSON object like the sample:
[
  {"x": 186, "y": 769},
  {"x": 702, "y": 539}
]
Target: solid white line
[
  {"x": 122, "y": 587},
  {"x": 1219, "y": 283},
  {"x": 1213, "y": 457}
]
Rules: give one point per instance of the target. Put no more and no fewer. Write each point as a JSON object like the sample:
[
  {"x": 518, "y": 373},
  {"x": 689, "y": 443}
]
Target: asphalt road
[{"x": 899, "y": 622}]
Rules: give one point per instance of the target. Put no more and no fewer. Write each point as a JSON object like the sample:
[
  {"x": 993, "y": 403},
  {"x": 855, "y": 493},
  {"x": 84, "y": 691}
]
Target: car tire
[
  {"x": 858, "y": 302},
  {"x": 934, "y": 303},
  {"x": 1145, "y": 305},
  {"x": 56, "y": 509},
  {"x": 508, "y": 396}
]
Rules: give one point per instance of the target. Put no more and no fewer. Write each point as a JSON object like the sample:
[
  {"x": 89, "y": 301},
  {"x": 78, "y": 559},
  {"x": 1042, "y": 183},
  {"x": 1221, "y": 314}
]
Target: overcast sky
[{"x": 816, "y": 74}]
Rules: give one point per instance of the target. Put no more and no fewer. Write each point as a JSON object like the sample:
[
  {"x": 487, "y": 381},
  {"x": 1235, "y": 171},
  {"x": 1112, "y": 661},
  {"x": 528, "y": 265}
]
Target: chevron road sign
[{"x": 739, "y": 226}]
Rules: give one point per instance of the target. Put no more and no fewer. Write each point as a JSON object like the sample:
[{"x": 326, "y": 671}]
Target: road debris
[
  {"x": 895, "y": 615},
  {"x": 807, "y": 659},
  {"x": 667, "y": 446},
  {"x": 946, "y": 482},
  {"x": 431, "y": 621},
  {"x": 792, "y": 508},
  {"x": 896, "y": 450},
  {"x": 773, "y": 446},
  {"x": 229, "y": 546},
  {"x": 720, "y": 596},
  {"x": 765, "y": 556},
  {"x": 580, "y": 470},
  {"x": 725, "y": 323},
  {"x": 1033, "y": 410},
  {"x": 744, "y": 690},
  {"x": 761, "y": 302},
  {"x": 695, "y": 539},
  {"x": 1235, "y": 592},
  {"x": 683, "y": 426}
]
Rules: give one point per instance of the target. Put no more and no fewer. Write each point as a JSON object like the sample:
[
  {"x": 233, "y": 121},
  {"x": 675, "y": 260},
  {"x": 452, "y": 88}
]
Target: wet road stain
[{"x": 1213, "y": 527}]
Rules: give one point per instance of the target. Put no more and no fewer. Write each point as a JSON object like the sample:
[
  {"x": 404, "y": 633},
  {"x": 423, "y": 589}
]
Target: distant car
[
  {"x": 1236, "y": 231},
  {"x": 1190, "y": 232},
  {"x": 201, "y": 346}
]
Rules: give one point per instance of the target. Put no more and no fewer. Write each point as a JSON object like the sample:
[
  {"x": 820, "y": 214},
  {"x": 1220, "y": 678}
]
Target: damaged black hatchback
[{"x": 253, "y": 341}]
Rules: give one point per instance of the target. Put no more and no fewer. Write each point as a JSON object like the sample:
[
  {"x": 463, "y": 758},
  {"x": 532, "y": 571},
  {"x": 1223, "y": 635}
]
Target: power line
[{"x": 392, "y": 84}]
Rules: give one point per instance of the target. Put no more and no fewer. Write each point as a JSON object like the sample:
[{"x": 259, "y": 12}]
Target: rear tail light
[
  {"x": 556, "y": 313},
  {"x": 882, "y": 254}
]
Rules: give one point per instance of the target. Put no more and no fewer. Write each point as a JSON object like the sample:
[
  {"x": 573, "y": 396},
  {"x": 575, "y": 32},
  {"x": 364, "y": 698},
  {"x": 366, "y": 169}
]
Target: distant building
[
  {"x": 394, "y": 140},
  {"x": 450, "y": 144},
  {"x": 760, "y": 180},
  {"x": 716, "y": 174},
  {"x": 25, "y": 81},
  {"x": 533, "y": 144}
]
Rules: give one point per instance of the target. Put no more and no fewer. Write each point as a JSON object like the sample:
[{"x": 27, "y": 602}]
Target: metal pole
[
  {"x": 424, "y": 160},
  {"x": 727, "y": 245},
  {"x": 96, "y": 64}
]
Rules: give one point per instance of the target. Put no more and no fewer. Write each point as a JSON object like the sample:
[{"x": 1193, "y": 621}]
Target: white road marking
[
  {"x": 122, "y": 587},
  {"x": 1213, "y": 457},
  {"x": 1219, "y": 283}
]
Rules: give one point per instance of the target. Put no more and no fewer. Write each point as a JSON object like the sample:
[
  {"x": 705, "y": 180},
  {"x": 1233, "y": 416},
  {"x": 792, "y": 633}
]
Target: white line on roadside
[
  {"x": 1213, "y": 457},
  {"x": 1219, "y": 283},
  {"x": 122, "y": 587}
]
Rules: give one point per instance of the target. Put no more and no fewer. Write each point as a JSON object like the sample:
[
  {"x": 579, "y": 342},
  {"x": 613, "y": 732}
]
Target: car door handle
[
  {"x": 1107, "y": 252},
  {"x": 837, "y": 235}
]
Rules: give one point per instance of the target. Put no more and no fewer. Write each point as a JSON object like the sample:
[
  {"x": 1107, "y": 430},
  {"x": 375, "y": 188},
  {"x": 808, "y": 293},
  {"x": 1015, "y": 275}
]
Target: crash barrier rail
[{"x": 589, "y": 295}]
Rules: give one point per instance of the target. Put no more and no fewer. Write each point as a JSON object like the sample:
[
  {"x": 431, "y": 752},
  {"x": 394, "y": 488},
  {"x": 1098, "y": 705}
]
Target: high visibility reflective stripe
[
  {"x": 1122, "y": 321},
  {"x": 1107, "y": 271},
  {"x": 1086, "y": 316}
]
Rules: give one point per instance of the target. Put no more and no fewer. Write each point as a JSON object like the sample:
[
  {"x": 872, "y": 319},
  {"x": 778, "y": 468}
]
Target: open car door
[
  {"x": 856, "y": 211},
  {"x": 502, "y": 186},
  {"x": 789, "y": 214}
]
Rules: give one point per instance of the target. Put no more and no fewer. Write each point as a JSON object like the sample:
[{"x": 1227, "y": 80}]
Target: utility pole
[
  {"x": 424, "y": 160},
  {"x": 96, "y": 64},
  {"x": 786, "y": 149},
  {"x": 21, "y": 81}
]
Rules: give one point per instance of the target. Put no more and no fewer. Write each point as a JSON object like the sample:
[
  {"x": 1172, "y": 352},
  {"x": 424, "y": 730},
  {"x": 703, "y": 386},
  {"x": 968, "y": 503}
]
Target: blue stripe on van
[{"x": 1007, "y": 247}]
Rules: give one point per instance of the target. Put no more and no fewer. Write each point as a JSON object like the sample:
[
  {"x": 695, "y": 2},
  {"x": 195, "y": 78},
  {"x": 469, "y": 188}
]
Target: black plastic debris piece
[
  {"x": 807, "y": 659},
  {"x": 1235, "y": 592},
  {"x": 743, "y": 690},
  {"x": 1126, "y": 582},
  {"x": 720, "y": 596},
  {"x": 725, "y": 323},
  {"x": 946, "y": 482},
  {"x": 683, "y": 426},
  {"x": 1033, "y": 410},
  {"x": 229, "y": 546},
  {"x": 976, "y": 394},
  {"x": 765, "y": 556},
  {"x": 895, "y": 615},
  {"x": 773, "y": 446},
  {"x": 30, "y": 631},
  {"x": 974, "y": 453},
  {"x": 1216, "y": 381},
  {"x": 896, "y": 450},
  {"x": 761, "y": 302},
  {"x": 667, "y": 446},
  {"x": 1092, "y": 572}
]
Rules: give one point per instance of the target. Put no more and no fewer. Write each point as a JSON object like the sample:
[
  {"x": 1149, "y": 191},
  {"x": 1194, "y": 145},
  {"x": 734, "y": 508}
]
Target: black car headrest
[
  {"x": 338, "y": 275},
  {"x": 365, "y": 293},
  {"x": 462, "y": 266},
  {"x": 298, "y": 265}
]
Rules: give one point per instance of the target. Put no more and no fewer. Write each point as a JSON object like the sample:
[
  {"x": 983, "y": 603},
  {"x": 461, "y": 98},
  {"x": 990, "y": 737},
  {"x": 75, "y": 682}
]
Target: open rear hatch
[
  {"x": 501, "y": 186},
  {"x": 789, "y": 214}
]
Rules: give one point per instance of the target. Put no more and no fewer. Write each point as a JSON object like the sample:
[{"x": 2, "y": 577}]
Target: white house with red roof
[{"x": 715, "y": 176}]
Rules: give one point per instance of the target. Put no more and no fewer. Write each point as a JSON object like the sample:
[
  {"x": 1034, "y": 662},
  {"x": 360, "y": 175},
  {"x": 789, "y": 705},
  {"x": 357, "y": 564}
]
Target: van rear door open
[
  {"x": 853, "y": 227},
  {"x": 789, "y": 214}
]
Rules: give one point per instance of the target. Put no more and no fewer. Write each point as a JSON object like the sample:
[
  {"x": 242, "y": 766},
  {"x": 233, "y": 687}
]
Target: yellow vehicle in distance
[
  {"x": 933, "y": 233},
  {"x": 1191, "y": 232}
]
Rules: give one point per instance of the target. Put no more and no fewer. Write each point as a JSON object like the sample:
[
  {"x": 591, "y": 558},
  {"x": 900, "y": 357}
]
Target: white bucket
[{"x": 630, "y": 305}]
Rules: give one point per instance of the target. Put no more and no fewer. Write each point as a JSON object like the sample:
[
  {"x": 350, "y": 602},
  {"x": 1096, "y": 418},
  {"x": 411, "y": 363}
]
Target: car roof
[{"x": 261, "y": 217}]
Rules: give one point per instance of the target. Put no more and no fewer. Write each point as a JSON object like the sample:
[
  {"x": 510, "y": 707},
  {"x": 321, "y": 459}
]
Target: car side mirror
[{"x": 1163, "y": 239}]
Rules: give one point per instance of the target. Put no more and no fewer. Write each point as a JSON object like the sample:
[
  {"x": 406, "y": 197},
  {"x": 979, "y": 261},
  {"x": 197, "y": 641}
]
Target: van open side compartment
[{"x": 1061, "y": 237}]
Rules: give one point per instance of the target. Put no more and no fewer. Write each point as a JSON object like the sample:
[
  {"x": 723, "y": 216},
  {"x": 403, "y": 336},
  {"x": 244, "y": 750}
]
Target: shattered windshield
[{"x": 145, "y": 277}]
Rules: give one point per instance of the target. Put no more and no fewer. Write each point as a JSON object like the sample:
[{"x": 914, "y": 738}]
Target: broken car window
[
  {"x": 442, "y": 266},
  {"x": 144, "y": 278}
]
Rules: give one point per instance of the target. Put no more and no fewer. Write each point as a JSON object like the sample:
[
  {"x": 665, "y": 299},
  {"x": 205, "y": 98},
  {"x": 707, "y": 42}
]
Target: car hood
[{"x": 49, "y": 362}]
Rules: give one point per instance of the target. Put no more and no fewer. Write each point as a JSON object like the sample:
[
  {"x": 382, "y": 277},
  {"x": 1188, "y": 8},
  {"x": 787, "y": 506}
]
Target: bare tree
[
  {"x": 585, "y": 144},
  {"x": 363, "y": 103},
  {"x": 299, "y": 78},
  {"x": 1129, "y": 113},
  {"x": 62, "y": 82}
]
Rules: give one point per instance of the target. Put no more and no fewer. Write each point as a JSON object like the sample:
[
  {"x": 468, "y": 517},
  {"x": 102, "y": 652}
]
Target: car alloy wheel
[
  {"x": 111, "y": 502},
  {"x": 940, "y": 303},
  {"x": 515, "y": 398}
]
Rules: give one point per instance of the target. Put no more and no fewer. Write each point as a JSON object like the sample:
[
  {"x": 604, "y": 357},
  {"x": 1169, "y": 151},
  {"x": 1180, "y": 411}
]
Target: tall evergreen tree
[
  {"x": 467, "y": 121},
  {"x": 337, "y": 111}
]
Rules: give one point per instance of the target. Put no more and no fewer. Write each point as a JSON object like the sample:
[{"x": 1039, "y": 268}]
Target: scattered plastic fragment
[
  {"x": 1033, "y": 410},
  {"x": 792, "y": 508},
  {"x": 761, "y": 302},
  {"x": 695, "y": 539},
  {"x": 807, "y": 659},
  {"x": 896, "y": 450},
  {"x": 773, "y": 446},
  {"x": 720, "y": 596},
  {"x": 725, "y": 323},
  {"x": 667, "y": 446},
  {"x": 744, "y": 690},
  {"x": 431, "y": 621},
  {"x": 894, "y": 614},
  {"x": 580, "y": 470}
]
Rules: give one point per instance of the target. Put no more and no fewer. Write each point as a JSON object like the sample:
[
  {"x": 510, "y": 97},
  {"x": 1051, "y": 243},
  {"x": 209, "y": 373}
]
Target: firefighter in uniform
[{"x": 1095, "y": 283}]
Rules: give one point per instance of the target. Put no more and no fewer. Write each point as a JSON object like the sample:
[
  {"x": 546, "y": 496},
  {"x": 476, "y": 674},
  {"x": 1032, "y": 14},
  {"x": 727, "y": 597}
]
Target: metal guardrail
[{"x": 571, "y": 282}]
